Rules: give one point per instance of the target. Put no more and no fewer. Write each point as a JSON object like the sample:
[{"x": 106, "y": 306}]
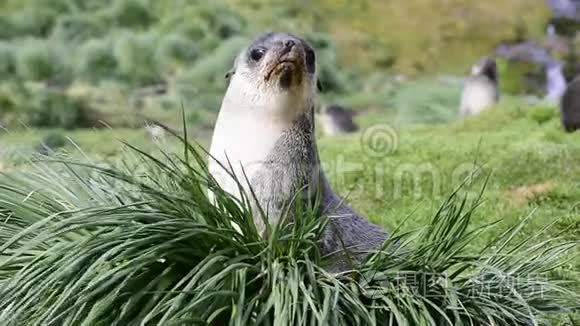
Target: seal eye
[
  {"x": 257, "y": 54},
  {"x": 310, "y": 58}
]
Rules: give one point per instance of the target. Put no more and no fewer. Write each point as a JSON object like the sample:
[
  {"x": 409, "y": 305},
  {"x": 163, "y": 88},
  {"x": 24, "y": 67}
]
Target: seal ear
[
  {"x": 229, "y": 74},
  {"x": 319, "y": 86},
  {"x": 232, "y": 71}
]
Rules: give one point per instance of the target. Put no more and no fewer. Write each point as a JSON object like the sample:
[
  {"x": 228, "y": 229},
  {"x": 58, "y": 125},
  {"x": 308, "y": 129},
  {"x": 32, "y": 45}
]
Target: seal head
[
  {"x": 266, "y": 116},
  {"x": 278, "y": 59}
]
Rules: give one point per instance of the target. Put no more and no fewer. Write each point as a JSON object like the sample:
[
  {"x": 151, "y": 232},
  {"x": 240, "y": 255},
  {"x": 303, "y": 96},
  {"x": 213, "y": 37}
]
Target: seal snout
[
  {"x": 282, "y": 60},
  {"x": 288, "y": 45},
  {"x": 287, "y": 63}
]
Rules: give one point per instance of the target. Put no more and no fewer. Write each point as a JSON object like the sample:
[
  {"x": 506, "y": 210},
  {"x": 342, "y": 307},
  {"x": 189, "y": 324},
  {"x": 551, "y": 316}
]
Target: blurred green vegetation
[
  {"x": 83, "y": 49},
  {"x": 516, "y": 77}
]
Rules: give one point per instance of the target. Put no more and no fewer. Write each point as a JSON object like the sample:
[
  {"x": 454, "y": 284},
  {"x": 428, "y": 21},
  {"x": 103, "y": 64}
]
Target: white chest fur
[
  {"x": 249, "y": 124},
  {"x": 244, "y": 143}
]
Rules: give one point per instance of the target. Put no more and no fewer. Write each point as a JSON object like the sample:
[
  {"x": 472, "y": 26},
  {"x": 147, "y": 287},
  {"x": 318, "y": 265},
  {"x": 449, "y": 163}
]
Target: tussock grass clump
[
  {"x": 186, "y": 22},
  {"x": 77, "y": 28},
  {"x": 36, "y": 22},
  {"x": 214, "y": 20},
  {"x": 134, "y": 14},
  {"x": 222, "y": 21},
  {"x": 135, "y": 55},
  {"x": 176, "y": 51},
  {"x": 142, "y": 244},
  {"x": 55, "y": 109},
  {"x": 39, "y": 60},
  {"x": 89, "y": 5},
  {"x": 203, "y": 74},
  {"x": 96, "y": 61},
  {"x": 7, "y": 60},
  {"x": 51, "y": 142}
]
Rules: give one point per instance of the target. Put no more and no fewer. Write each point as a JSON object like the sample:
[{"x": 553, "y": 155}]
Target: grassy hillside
[
  {"x": 71, "y": 63},
  {"x": 427, "y": 35},
  {"x": 420, "y": 35}
]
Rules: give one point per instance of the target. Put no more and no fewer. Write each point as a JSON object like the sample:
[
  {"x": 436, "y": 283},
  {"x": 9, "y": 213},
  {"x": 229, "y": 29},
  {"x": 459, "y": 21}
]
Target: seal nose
[
  {"x": 287, "y": 47},
  {"x": 289, "y": 44}
]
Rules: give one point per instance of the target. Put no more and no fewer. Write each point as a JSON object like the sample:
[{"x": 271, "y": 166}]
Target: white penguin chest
[{"x": 478, "y": 95}]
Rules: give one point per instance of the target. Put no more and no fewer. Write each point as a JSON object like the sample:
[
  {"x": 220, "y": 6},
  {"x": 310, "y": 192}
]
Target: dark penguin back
[
  {"x": 342, "y": 117},
  {"x": 570, "y": 106}
]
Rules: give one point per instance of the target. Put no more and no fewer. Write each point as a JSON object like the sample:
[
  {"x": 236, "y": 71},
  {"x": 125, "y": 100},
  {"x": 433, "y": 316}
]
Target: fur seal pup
[
  {"x": 480, "y": 90},
  {"x": 337, "y": 120},
  {"x": 570, "y": 106},
  {"x": 265, "y": 130}
]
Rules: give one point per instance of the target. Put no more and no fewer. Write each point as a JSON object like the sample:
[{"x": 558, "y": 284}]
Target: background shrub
[
  {"x": 185, "y": 22},
  {"x": 7, "y": 61},
  {"x": 36, "y": 22},
  {"x": 210, "y": 70},
  {"x": 57, "y": 6},
  {"x": 175, "y": 51},
  {"x": 132, "y": 14},
  {"x": 96, "y": 61},
  {"x": 88, "y": 5},
  {"x": 77, "y": 27},
  {"x": 135, "y": 55},
  {"x": 9, "y": 104},
  {"x": 38, "y": 60},
  {"x": 51, "y": 142},
  {"x": 56, "y": 110},
  {"x": 221, "y": 21},
  {"x": 6, "y": 28}
]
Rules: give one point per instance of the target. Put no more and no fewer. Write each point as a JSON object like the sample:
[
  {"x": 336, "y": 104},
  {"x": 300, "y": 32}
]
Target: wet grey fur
[
  {"x": 570, "y": 106},
  {"x": 294, "y": 165}
]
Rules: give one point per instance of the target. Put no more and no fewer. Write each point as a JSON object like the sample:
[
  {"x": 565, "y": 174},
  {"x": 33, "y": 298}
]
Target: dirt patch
[{"x": 522, "y": 195}]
